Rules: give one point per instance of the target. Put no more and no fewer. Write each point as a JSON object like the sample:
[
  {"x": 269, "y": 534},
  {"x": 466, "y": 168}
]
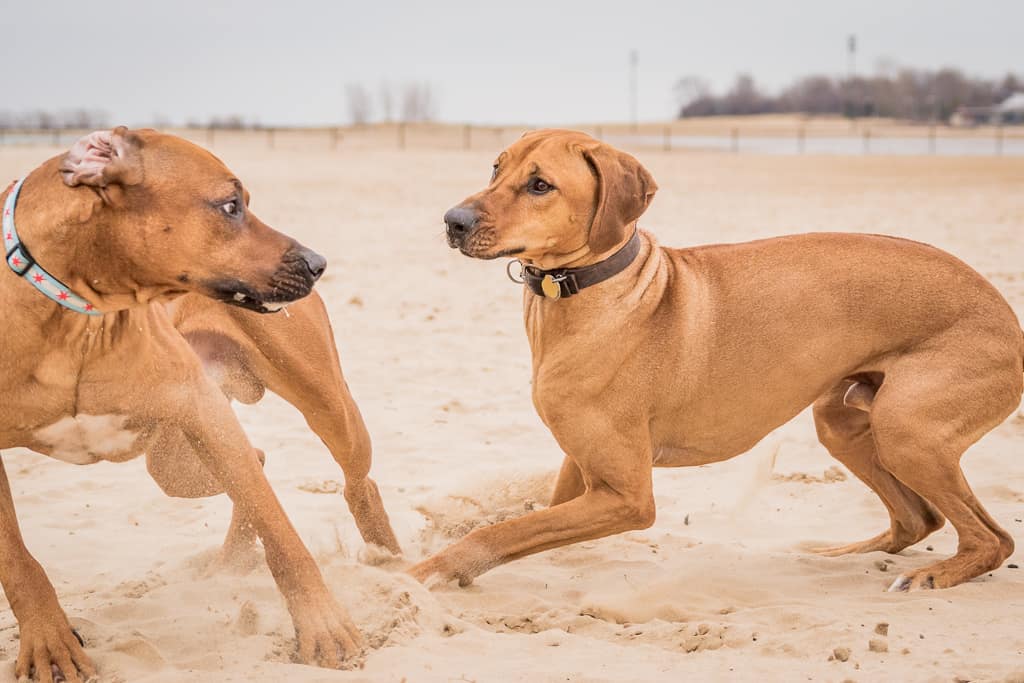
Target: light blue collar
[{"x": 23, "y": 265}]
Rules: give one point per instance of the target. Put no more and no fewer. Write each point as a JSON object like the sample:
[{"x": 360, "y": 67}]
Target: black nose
[
  {"x": 315, "y": 263},
  {"x": 460, "y": 221}
]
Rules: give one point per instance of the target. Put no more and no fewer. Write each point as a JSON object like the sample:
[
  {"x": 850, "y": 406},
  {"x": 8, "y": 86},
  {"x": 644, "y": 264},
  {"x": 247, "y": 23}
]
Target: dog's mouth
[
  {"x": 479, "y": 243},
  {"x": 237, "y": 293},
  {"x": 489, "y": 257}
]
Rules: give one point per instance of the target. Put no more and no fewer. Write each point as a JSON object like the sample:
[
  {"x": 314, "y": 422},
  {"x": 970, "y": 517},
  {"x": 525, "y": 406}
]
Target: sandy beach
[{"x": 722, "y": 587}]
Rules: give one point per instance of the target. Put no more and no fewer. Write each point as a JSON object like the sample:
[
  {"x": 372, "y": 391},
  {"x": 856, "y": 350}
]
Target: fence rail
[{"x": 862, "y": 139}]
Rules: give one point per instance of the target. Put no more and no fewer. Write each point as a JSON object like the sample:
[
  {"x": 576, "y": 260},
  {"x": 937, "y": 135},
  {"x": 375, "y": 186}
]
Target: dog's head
[
  {"x": 178, "y": 220},
  {"x": 555, "y": 197}
]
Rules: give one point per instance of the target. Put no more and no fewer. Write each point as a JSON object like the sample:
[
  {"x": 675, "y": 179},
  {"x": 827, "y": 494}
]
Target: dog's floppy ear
[
  {"x": 102, "y": 158},
  {"x": 624, "y": 190}
]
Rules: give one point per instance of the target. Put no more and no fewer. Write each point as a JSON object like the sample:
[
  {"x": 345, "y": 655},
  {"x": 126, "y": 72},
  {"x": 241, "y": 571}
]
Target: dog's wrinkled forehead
[
  {"x": 546, "y": 150},
  {"x": 166, "y": 148},
  {"x": 550, "y": 140}
]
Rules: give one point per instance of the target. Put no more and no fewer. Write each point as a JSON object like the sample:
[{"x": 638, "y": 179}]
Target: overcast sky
[{"x": 488, "y": 61}]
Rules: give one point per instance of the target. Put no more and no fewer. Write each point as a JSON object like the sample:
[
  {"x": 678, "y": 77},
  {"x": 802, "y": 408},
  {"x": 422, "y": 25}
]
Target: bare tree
[
  {"x": 418, "y": 102},
  {"x": 745, "y": 98},
  {"x": 46, "y": 120},
  {"x": 230, "y": 122},
  {"x": 812, "y": 95},
  {"x": 689, "y": 89},
  {"x": 84, "y": 119},
  {"x": 161, "y": 122},
  {"x": 386, "y": 98},
  {"x": 360, "y": 106}
]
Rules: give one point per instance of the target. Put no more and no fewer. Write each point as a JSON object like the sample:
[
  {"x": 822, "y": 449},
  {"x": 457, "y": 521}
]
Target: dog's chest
[{"x": 84, "y": 439}]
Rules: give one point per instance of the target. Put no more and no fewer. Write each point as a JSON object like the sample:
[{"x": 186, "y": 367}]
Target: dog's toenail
[{"x": 902, "y": 583}]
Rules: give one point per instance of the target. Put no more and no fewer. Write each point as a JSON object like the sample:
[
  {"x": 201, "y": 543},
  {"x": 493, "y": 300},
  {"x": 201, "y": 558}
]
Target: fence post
[
  {"x": 931, "y": 139},
  {"x": 999, "y": 139},
  {"x": 270, "y": 138},
  {"x": 56, "y": 137},
  {"x": 335, "y": 137},
  {"x": 209, "y": 136},
  {"x": 867, "y": 141},
  {"x": 800, "y": 133},
  {"x": 467, "y": 136},
  {"x": 668, "y": 138},
  {"x": 401, "y": 135},
  {"x": 735, "y": 140}
]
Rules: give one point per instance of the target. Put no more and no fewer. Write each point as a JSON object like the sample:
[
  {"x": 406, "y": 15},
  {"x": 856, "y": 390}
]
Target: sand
[{"x": 721, "y": 587}]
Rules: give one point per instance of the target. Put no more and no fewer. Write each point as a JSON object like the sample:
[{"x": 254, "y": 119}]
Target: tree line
[
  {"x": 913, "y": 94},
  {"x": 409, "y": 102},
  {"x": 49, "y": 120}
]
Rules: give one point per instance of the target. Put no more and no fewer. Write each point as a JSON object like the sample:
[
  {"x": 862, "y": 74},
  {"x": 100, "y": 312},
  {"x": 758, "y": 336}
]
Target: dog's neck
[
  {"x": 630, "y": 294},
  {"x": 579, "y": 257},
  {"x": 73, "y": 239}
]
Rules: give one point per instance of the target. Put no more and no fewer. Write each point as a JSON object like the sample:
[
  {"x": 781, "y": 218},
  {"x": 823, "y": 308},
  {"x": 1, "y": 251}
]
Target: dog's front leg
[
  {"x": 47, "y": 641},
  {"x": 617, "y": 497},
  {"x": 325, "y": 634}
]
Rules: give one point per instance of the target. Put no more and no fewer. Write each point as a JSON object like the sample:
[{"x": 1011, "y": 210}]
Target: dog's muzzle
[
  {"x": 294, "y": 278},
  {"x": 460, "y": 222}
]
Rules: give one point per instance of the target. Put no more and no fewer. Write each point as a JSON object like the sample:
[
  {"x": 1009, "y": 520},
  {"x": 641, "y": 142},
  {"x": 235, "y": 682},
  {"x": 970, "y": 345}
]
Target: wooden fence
[{"x": 861, "y": 138}]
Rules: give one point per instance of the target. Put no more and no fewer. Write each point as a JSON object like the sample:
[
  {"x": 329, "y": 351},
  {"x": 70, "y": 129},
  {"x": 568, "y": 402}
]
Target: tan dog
[
  {"x": 125, "y": 219},
  {"x": 690, "y": 356}
]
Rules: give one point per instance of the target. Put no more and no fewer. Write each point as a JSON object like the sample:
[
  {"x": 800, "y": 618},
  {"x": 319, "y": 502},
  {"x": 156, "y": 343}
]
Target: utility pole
[
  {"x": 634, "y": 61},
  {"x": 851, "y": 53},
  {"x": 853, "y": 104}
]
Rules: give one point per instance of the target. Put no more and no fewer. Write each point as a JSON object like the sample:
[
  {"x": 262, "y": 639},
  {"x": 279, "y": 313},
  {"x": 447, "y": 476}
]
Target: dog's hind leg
[
  {"x": 927, "y": 413},
  {"x": 846, "y": 432},
  {"x": 569, "y": 484},
  {"x": 178, "y": 471}
]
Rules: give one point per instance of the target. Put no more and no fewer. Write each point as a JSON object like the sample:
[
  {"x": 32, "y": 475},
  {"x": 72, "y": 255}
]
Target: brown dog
[
  {"x": 678, "y": 357},
  {"x": 123, "y": 220}
]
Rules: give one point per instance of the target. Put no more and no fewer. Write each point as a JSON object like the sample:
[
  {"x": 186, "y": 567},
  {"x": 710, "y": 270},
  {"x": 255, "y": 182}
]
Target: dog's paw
[
  {"x": 434, "y": 570},
  {"x": 51, "y": 650},
  {"x": 918, "y": 581},
  {"x": 325, "y": 635}
]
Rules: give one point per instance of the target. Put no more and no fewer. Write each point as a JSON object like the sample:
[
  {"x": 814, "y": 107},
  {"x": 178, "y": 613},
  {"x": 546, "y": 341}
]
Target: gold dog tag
[{"x": 550, "y": 288}]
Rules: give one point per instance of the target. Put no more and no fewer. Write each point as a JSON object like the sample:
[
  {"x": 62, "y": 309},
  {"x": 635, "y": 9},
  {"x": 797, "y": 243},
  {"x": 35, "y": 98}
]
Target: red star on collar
[
  {"x": 16, "y": 261},
  {"x": 37, "y": 277},
  {"x": 88, "y": 307},
  {"x": 63, "y": 296}
]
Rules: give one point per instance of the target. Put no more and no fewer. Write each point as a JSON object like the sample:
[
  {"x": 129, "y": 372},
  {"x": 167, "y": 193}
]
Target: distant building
[{"x": 1010, "y": 110}]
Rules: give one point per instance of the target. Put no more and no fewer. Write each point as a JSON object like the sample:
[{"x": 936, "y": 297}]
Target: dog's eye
[
  {"x": 538, "y": 186},
  {"x": 494, "y": 172},
  {"x": 232, "y": 208}
]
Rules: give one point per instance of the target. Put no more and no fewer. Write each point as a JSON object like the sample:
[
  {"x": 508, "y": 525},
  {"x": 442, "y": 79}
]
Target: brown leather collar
[{"x": 563, "y": 282}]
